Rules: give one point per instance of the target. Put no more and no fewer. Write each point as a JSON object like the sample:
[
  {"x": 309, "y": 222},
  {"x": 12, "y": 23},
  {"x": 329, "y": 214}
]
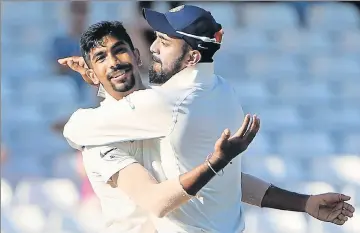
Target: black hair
[
  {"x": 208, "y": 54},
  {"x": 94, "y": 35},
  {"x": 201, "y": 25}
]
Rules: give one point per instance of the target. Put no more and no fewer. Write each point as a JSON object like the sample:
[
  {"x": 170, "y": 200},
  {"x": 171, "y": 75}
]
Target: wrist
[
  {"x": 281, "y": 199},
  {"x": 307, "y": 203},
  {"x": 217, "y": 163}
]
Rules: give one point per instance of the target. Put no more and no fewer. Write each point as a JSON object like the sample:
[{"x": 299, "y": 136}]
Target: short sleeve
[{"x": 112, "y": 160}]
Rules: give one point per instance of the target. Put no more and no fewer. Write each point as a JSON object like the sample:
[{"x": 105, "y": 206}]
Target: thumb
[
  {"x": 336, "y": 197},
  {"x": 344, "y": 197},
  {"x": 223, "y": 138},
  {"x": 225, "y": 134}
]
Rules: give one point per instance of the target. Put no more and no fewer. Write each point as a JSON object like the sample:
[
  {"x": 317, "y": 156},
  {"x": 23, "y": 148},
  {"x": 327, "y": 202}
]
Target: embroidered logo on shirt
[{"x": 110, "y": 156}]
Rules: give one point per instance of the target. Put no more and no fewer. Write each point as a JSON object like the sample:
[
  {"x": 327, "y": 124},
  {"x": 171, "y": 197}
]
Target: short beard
[
  {"x": 126, "y": 87},
  {"x": 163, "y": 76}
]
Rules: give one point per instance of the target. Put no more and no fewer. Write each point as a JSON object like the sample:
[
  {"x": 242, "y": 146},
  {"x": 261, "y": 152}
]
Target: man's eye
[
  {"x": 120, "y": 50},
  {"x": 101, "y": 58}
]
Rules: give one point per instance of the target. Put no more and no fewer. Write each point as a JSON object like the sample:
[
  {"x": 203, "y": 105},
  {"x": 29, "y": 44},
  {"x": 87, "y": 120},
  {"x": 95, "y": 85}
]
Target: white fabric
[
  {"x": 187, "y": 114},
  {"x": 253, "y": 196},
  {"x": 113, "y": 160},
  {"x": 120, "y": 213}
]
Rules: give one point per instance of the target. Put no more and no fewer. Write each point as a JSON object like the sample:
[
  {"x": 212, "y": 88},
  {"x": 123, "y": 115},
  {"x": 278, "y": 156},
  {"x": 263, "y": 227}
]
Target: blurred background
[{"x": 296, "y": 64}]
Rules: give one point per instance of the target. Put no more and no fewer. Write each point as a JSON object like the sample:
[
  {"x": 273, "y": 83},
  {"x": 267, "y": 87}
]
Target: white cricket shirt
[
  {"x": 189, "y": 112},
  {"x": 121, "y": 214}
]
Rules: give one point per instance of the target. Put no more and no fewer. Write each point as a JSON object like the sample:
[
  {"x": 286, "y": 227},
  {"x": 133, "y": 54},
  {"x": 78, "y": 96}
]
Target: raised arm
[
  {"x": 161, "y": 198},
  {"x": 142, "y": 115}
]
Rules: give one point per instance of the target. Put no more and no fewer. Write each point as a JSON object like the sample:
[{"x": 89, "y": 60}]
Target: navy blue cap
[{"x": 191, "y": 23}]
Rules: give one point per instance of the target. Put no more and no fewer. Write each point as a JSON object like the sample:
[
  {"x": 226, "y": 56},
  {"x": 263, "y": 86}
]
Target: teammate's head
[
  {"x": 111, "y": 57},
  {"x": 185, "y": 36}
]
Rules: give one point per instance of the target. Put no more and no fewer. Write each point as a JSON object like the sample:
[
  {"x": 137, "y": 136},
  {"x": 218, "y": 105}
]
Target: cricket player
[
  {"x": 117, "y": 165},
  {"x": 184, "y": 114}
]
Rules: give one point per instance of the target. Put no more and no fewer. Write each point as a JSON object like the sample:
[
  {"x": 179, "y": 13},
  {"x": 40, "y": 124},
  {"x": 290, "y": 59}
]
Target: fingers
[
  {"x": 348, "y": 207},
  {"x": 73, "y": 65},
  {"x": 245, "y": 125},
  {"x": 63, "y": 61},
  {"x": 347, "y": 213},
  {"x": 77, "y": 64},
  {"x": 342, "y": 217},
  {"x": 76, "y": 67},
  {"x": 242, "y": 138},
  {"x": 338, "y": 221},
  {"x": 248, "y": 129},
  {"x": 254, "y": 128},
  {"x": 70, "y": 61}
]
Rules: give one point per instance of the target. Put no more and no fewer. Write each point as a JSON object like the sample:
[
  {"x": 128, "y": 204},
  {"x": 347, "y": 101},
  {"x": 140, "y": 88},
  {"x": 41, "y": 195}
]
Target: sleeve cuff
[{"x": 111, "y": 170}]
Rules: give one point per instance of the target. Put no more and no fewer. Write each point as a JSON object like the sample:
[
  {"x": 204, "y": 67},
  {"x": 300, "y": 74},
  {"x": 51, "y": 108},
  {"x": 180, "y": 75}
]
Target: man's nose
[
  {"x": 154, "y": 48},
  {"x": 114, "y": 61}
]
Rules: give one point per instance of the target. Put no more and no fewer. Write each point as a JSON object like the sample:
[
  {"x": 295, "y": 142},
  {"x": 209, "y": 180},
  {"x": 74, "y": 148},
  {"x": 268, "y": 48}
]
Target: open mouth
[{"x": 120, "y": 75}]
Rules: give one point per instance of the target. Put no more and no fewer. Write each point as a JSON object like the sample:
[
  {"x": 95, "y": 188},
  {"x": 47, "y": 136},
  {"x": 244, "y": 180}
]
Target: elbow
[
  {"x": 69, "y": 131},
  {"x": 75, "y": 127},
  {"x": 71, "y": 138}
]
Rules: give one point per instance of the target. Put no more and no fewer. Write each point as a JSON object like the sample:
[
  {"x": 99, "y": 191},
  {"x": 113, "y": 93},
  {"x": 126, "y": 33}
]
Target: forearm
[
  {"x": 253, "y": 189},
  {"x": 190, "y": 184},
  {"x": 161, "y": 198},
  {"x": 197, "y": 178},
  {"x": 277, "y": 198}
]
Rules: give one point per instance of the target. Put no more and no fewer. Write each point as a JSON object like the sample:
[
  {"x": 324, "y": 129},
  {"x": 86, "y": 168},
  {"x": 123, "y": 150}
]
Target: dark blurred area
[{"x": 295, "y": 64}]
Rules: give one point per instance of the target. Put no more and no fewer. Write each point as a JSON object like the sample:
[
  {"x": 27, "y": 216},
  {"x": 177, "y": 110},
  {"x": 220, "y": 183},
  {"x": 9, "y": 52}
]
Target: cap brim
[{"x": 159, "y": 22}]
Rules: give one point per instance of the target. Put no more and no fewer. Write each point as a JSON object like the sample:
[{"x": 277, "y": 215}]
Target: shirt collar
[{"x": 202, "y": 73}]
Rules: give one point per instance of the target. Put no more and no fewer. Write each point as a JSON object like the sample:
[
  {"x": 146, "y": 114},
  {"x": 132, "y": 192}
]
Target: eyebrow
[
  {"x": 117, "y": 44},
  {"x": 97, "y": 54},
  {"x": 162, "y": 37}
]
